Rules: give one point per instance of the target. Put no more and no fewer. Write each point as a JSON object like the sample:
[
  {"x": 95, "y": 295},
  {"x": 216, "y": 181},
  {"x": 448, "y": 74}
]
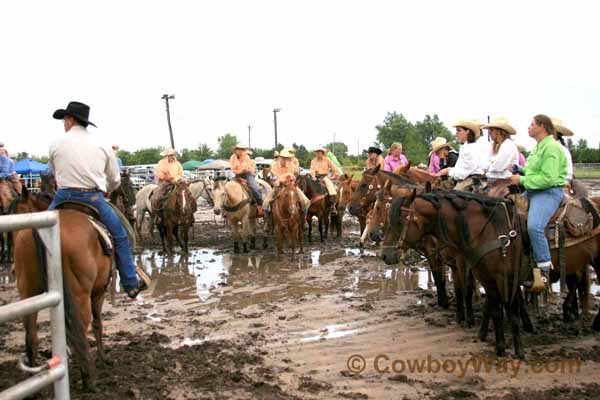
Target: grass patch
[{"x": 587, "y": 173}]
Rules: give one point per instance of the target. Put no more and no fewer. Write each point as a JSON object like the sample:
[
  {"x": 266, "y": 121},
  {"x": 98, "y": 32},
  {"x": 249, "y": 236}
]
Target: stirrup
[{"x": 540, "y": 281}]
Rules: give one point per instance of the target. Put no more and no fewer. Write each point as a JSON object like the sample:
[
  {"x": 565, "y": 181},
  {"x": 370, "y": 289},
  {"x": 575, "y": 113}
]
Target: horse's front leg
[
  {"x": 252, "y": 234},
  {"x": 31, "y": 338},
  {"x": 236, "y": 235},
  {"x": 321, "y": 229}
]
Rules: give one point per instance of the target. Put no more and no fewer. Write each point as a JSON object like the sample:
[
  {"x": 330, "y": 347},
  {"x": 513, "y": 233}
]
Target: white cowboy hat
[
  {"x": 471, "y": 124},
  {"x": 436, "y": 142},
  {"x": 241, "y": 146},
  {"x": 438, "y": 146},
  {"x": 321, "y": 148},
  {"x": 276, "y": 154},
  {"x": 501, "y": 123},
  {"x": 168, "y": 152},
  {"x": 561, "y": 128},
  {"x": 286, "y": 153}
]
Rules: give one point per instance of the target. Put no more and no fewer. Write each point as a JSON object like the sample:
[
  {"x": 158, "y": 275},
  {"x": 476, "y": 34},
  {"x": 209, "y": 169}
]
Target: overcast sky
[{"x": 331, "y": 66}]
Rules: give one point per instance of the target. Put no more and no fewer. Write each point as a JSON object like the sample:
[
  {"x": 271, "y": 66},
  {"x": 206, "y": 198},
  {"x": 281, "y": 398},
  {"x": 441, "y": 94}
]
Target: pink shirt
[
  {"x": 391, "y": 162},
  {"x": 522, "y": 160},
  {"x": 434, "y": 164}
]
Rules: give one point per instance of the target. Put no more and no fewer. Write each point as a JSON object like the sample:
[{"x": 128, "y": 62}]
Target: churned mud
[{"x": 335, "y": 323}]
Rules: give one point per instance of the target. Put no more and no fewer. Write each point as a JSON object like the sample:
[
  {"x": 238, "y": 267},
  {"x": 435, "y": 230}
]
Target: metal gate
[{"x": 56, "y": 369}]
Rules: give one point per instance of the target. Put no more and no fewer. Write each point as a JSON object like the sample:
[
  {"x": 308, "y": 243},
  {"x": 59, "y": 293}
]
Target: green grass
[{"x": 587, "y": 173}]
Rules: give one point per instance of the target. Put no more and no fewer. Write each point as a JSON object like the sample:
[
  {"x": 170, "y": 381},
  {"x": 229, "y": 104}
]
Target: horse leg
[
  {"x": 309, "y": 221},
  {"x": 245, "y": 226},
  {"x": 458, "y": 293},
  {"x": 252, "y": 233},
  {"x": 583, "y": 289},
  {"x": 512, "y": 311},
  {"x": 292, "y": 235},
  {"x": 321, "y": 230},
  {"x": 527, "y": 325},
  {"x": 497, "y": 317},
  {"x": 162, "y": 232},
  {"x": 570, "y": 302},
  {"x": 596, "y": 265},
  {"x": 437, "y": 270},
  {"x": 31, "y": 338},
  {"x": 97, "y": 303},
  {"x": 279, "y": 234},
  {"x": 470, "y": 322},
  {"x": 485, "y": 321},
  {"x": 82, "y": 346},
  {"x": 236, "y": 236}
]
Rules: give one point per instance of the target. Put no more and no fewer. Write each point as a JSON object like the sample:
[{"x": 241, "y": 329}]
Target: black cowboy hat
[
  {"x": 374, "y": 150},
  {"x": 77, "y": 110}
]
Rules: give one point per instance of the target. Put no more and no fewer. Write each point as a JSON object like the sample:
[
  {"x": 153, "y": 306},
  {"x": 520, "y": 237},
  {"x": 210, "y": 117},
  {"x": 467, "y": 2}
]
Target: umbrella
[
  {"x": 191, "y": 165},
  {"x": 218, "y": 164},
  {"x": 29, "y": 166}
]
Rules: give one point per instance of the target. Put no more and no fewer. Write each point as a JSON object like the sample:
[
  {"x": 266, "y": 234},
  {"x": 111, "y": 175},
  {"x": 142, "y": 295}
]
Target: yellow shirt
[
  {"x": 296, "y": 165},
  {"x": 165, "y": 171},
  {"x": 372, "y": 164},
  {"x": 283, "y": 173},
  {"x": 322, "y": 167},
  {"x": 242, "y": 165}
]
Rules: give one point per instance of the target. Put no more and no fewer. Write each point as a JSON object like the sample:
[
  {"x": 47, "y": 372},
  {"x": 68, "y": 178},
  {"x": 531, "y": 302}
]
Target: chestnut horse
[
  {"x": 320, "y": 207},
  {"x": 288, "y": 219},
  {"x": 86, "y": 274},
  {"x": 176, "y": 216},
  {"x": 124, "y": 197},
  {"x": 344, "y": 196}
]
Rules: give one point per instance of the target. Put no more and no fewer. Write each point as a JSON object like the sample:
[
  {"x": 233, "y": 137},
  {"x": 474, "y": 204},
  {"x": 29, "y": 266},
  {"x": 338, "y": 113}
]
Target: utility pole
[
  {"x": 249, "y": 128},
  {"x": 166, "y": 97},
  {"x": 275, "y": 111}
]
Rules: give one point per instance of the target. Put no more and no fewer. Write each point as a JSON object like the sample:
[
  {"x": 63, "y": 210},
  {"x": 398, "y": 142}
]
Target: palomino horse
[
  {"x": 176, "y": 216},
  {"x": 234, "y": 203},
  {"x": 202, "y": 189},
  {"x": 288, "y": 219},
  {"x": 319, "y": 205},
  {"x": 124, "y": 197},
  {"x": 86, "y": 274},
  {"x": 143, "y": 205},
  {"x": 344, "y": 196}
]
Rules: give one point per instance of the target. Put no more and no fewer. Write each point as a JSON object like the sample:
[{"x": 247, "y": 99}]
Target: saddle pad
[{"x": 103, "y": 236}]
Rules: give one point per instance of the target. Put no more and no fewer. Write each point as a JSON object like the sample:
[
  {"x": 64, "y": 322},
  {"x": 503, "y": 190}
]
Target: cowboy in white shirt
[
  {"x": 469, "y": 158},
  {"x": 504, "y": 153}
]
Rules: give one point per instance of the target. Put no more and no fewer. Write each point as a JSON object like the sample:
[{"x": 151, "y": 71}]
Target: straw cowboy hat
[
  {"x": 286, "y": 153},
  {"x": 501, "y": 123},
  {"x": 561, "y": 128},
  {"x": 241, "y": 146},
  {"x": 322, "y": 149},
  {"x": 276, "y": 154},
  {"x": 435, "y": 142},
  {"x": 75, "y": 109},
  {"x": 472, "y": 124},
  {"x": 168, "y": 152}
]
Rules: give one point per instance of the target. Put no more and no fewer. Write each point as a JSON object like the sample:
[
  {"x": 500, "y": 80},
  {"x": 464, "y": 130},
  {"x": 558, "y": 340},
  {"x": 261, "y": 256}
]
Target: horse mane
[
  {"x": 396, "y": 211},
  {"x": 399, "y": 179}
]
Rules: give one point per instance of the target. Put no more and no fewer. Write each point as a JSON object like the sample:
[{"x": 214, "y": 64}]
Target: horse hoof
[{"x": 596, "y": 324}]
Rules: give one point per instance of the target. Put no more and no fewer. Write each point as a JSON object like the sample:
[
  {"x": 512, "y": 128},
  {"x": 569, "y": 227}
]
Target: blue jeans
[
  {"x": 542, "y": 205},
  {"x": 253, "y": 186},
  {"x": 125, "y": 263}
]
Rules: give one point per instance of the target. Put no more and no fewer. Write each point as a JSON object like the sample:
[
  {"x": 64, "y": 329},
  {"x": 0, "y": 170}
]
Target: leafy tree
[
  {"x": 395, "y": 128},
  {"x": 204, "y": 152},
  {"x": 302, "y": 155},
  {"x": 339, "y": 149},
  {"x": 226, "y": 144},
  {"x": 431, "y": 128}
]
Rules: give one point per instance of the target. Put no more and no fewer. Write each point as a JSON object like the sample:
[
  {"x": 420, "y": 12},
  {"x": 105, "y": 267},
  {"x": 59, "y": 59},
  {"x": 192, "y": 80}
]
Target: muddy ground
[{"x": 215, "y": 325}]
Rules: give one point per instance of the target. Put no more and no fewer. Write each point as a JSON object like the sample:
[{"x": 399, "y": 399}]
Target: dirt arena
[{"x": 334, "y": 324}]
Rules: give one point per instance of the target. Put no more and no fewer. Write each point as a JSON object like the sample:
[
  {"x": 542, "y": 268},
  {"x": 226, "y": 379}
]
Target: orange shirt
[
  {"x": 165, "y": 171},
  {"x": 242, "y": 165},
  {"x": 378, "y": 161},
  {"x": 296, "y": 165},
  {"x": 322, "y": 167},
  {"x": 283, "y": 173}
]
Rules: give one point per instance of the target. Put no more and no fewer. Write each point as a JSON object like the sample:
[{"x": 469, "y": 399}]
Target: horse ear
[{"x": 428, "y": 187}]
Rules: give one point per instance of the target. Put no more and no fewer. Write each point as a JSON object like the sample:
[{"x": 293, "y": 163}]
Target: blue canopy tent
[
  {"x": 33, "y": 169},
  {"x": 29, "y": 166}
]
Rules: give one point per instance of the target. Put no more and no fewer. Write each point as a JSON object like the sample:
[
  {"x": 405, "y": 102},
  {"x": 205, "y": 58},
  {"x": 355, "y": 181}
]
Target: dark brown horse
[
  {"x": 319, "y": 205},
  {"x": 176, "y": 217},
  {"x": 344, "y": 196},
  {"x": 86, "y": 274},
  {"x": 288, "y": 219},
  {"x": 124, "y": 197}
]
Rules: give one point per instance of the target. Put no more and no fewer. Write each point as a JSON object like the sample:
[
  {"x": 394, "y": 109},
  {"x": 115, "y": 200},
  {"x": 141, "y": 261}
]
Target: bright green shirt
[{"x": 546, "y": 166}]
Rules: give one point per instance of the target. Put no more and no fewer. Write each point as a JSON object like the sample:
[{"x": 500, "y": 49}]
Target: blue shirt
[
  {"x": 120, "y": 163},
  {"x": 7, "y": 167}
]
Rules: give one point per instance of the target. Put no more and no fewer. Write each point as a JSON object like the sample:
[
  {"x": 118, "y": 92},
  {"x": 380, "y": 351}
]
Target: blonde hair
[
  {"x": 499, "y": 138},
  {"x": 394, "y": 146}
]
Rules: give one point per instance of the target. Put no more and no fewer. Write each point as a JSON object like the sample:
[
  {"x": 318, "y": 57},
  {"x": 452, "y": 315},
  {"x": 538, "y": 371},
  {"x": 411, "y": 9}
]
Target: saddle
[
  {"x": 244, "y": 183},
  {"x": 104, "y": 236}
]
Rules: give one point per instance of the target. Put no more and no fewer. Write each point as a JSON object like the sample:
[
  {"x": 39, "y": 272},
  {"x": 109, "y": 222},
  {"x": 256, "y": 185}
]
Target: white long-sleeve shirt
[
  {"x": 569, "y": 161},
  {"x": 501, "y": 163},
  {"x": 468, "y": 163},
  {"x": 82, "y": 160},
  {"x": 485, "y": 149}
]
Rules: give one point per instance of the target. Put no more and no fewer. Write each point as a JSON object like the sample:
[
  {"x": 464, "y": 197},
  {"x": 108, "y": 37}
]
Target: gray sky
[{"x": 331, "y": 66}]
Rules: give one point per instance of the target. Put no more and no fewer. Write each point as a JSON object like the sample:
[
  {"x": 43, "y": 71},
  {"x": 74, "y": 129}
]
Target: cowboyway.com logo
[{"x": 384, "y": 364}]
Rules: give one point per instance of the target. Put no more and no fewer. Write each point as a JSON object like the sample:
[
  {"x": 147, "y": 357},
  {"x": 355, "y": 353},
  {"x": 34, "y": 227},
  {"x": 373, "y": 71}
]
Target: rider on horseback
[
  {"x": 243, "y": 167},
  {"x": 374, "y": 158},
  {"x": 284, "y": 172},
  {"x": 7, "y": 171},
  {"x": 168, "y": 172},
  {"x": 320, "y": 168},
  {"x": 84, "y": 170}
]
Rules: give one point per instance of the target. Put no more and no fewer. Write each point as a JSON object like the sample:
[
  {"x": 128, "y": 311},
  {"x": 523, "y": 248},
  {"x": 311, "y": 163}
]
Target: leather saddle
[{"x": 104, "y": 236}]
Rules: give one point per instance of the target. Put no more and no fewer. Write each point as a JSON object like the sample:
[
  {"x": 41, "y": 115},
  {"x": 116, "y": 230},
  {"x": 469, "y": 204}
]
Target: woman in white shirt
[
  {"x": 469, "y": 157},
  {"x": 560, "y": 131},
  {"x": 504, "y": 153}
]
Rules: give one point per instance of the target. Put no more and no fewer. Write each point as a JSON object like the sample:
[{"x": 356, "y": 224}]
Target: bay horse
[
  {"x": 235, "y": 203},
  {"x": 320, "y": 207},
  {"x": 176, "y": 217},
  {"x": 124, "y": 197},
  {"x": 288, "y": 219},
  {"x": 8, "y": 201},
  {"x": 344, "y": 195},
  {"x": 86, "y": 275}
]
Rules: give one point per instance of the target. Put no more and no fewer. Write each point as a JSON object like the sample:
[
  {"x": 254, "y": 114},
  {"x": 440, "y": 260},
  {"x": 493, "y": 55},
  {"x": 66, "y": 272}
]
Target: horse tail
[{"x": 76, "y": 337}]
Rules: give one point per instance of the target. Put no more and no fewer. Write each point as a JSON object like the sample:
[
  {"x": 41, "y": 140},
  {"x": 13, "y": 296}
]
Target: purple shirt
[
  {"x": 434, "y": 164},
  {"x": 391, "y": 162},
  {"x": 522, "y": 160}
]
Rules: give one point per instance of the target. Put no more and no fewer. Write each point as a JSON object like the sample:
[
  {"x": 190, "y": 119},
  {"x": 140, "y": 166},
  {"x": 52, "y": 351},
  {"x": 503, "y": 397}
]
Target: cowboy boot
[{"x": 541, "y": 278}]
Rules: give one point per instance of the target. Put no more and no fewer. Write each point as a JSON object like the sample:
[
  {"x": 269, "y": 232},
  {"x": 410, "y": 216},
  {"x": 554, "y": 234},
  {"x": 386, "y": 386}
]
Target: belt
[{"x": 82, "y": 190}]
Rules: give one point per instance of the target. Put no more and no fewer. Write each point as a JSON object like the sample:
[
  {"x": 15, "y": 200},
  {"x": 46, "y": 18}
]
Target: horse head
[
  {"x": 48, "y": 184},
  {"x": 219, "y": 194},
  {"x": 401, "y": 217},
  {"x": 365, "y": 191}
]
